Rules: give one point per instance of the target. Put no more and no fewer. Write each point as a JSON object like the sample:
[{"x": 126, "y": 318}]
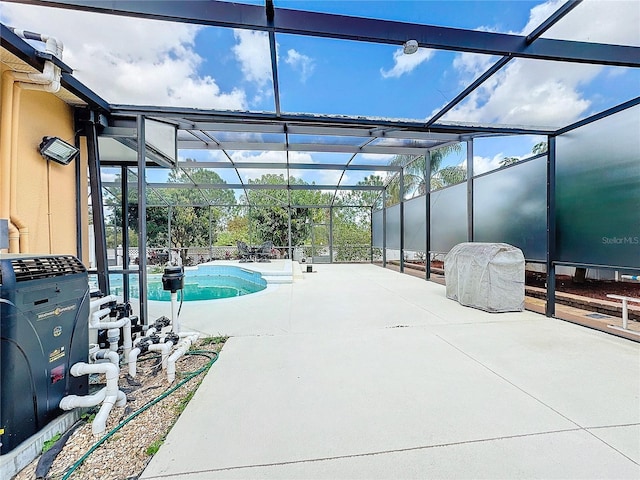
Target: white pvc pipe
[
  {"x": 635, "y": 278},
  {"x": 183, "y": 347},
  {"x": 113, "y": 357},
  {"x": 98, "y": 302},
  {"x": 163, "y": 348},
  {"x": 133, "y": 358},
  {"x": 124, "y": 323},
  {"x": 175, "y": 322},
  {"x": 112, "y": 395},
  {"x": 75, "y": 401}
]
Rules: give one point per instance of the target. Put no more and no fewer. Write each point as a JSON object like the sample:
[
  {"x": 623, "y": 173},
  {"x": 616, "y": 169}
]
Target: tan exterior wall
[{"x": 46, "y": 195}]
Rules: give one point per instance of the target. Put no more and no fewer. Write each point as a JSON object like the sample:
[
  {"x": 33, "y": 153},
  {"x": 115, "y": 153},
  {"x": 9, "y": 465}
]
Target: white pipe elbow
[
  {"x": 94, "y": 322},
  {"x": 171, "y": 362},
  {"x": 98, "y": 302},
  {"x": 164, "y": 349},
  {"x": 75, "y": 401},
  {"x": 112, "y": 356},
  {"x": 133, "y": 358},
  {"x": 99, "y": 424}
]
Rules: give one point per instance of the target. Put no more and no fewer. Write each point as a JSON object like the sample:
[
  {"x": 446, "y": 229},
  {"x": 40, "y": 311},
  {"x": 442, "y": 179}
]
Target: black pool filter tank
[{"x": 44, "y": 310}]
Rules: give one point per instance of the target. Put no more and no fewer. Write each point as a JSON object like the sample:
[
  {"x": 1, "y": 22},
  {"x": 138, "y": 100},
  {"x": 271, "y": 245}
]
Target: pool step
[{"x": 279, "y": 278}]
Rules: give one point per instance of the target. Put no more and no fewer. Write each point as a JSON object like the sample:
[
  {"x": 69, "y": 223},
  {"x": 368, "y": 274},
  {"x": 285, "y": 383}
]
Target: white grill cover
[{"x": 488, "y": 276}]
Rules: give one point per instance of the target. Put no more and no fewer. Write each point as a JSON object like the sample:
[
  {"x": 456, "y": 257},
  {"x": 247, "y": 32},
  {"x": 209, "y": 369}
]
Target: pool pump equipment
[
  {"x": 44, "y": 306},
  {"x": 164, "y": 336},
  {"x": 172, "y": 281}
]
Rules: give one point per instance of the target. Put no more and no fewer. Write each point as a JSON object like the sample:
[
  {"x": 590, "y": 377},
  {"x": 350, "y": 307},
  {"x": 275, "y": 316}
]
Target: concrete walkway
[{"x": 360, "y": 372}]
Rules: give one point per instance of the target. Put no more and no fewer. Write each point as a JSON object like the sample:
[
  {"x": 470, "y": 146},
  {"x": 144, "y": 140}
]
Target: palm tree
[{"x": 414, "y": 172}]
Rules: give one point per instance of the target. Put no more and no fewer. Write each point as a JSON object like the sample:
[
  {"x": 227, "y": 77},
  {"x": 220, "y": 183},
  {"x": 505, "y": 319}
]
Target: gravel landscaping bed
[{"x": 135, "y": 432}]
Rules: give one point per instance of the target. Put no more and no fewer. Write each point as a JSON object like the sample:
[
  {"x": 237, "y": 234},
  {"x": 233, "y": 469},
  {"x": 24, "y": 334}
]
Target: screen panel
[
  {"x": 377, "y": 228},
  {"x": 510, "y": 206},
  {"x": 393, "y": 227},
  {"x": 415, "y": 224},
  {"x": 448, "y": 217},
  {"x": 598, "y": 192}
]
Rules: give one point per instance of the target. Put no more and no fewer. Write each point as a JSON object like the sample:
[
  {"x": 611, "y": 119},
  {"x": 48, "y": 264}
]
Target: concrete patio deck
[{"x": 355, "y": 371}]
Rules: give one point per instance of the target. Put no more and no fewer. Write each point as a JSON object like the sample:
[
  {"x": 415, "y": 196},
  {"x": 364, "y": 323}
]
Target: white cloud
[
  {"x": 267, "y": 157},
  {"x": 406, "y": 63},
  {"x": 128, "y": 60},
  {"x": 254, "y": 55},
  {"x": 531, "y": 92},
  {"x": 485, "y": 164},
  {"x": 300, "y": 62}
]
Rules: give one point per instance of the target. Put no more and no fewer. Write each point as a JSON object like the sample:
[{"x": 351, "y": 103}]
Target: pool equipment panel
[{"x": 44, "y": 309}]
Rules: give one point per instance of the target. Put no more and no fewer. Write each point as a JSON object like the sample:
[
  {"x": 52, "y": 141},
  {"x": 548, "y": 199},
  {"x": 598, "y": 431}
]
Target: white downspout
[{"x": 48, "y": 81}]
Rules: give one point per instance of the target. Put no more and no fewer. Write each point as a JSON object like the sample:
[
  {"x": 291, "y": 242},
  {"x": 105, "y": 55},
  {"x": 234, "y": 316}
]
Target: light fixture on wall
[
  {"x": 56, "y": 149},
  {"x": 410, "y": 46}
]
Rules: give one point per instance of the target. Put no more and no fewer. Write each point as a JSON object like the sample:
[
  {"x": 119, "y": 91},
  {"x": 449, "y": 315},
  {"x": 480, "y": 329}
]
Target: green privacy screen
[
  {"x": 393, "y": 227},
  {"x": 510, "y": 206},
  {"x": 377, "y": 227},
  {"x": 415, "y": 224},
  {"x": 598, "y": 192},
  {"x": 448, "y": 217}
]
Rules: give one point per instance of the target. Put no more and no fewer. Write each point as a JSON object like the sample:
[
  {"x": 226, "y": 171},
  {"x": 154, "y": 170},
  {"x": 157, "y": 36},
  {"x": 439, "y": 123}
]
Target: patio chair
[
  {"x": 243, "y": 252},
  {"x": 264, "y": 253}
]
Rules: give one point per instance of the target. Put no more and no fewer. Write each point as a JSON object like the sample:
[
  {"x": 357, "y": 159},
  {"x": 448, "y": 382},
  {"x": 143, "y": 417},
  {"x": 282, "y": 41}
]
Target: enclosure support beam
[
  {"x": 290, "y": 246},
  {"x": 384, "y": 228},
  {"x": 427, "y": 198},
  {"x": 371, "y": 233},
  {"x": 142, "y": 219},
  {"x": 550, "y": 308},
  {"x": 124, "y": 201},
  {"x": 330, "y": 234},
  {"x": 95, "y": 183},
  {"x": 210, "y": 236},
  {"x": 401, "y": 194},
  {"x": 470, "y": 190}
]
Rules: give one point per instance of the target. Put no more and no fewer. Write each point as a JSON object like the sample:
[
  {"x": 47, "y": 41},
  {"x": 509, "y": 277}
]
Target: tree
[
  {"x": 539, "y": 148},
  {"x": 508, "y": 161},
  {"x": 269, "y": 210},
  {"x": 193, "y": 210},
  {"x": 414, "y": 172}
]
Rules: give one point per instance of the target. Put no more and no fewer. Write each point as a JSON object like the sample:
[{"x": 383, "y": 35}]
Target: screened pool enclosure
[{"x": 361, "y": 177}]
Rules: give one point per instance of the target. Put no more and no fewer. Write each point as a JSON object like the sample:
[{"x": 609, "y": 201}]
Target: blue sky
[{"x": 147, "y": 62}]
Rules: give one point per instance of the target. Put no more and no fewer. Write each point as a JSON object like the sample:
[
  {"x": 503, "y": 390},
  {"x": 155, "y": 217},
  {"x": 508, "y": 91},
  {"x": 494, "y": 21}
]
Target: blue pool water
[{"x": 207, "y": 282}]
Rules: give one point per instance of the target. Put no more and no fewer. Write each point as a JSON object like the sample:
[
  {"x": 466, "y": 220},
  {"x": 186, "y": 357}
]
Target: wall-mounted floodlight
[
  {"x": 58, "y": 150},
  {"x": 410, "y": 46}
]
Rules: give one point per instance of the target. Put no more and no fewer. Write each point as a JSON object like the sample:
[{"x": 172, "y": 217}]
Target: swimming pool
[{"x": 207, "y": 282}]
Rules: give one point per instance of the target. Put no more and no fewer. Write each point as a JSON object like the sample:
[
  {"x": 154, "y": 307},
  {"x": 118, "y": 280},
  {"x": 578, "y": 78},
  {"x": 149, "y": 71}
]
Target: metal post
[
  {"x": 169, "y": 214},
  {"x": 384, "y": 228},
  {"x": 470, "y": 190},
  {"x": 401, "y": 206},
  {"x": 371, "y": 233},
  {"x": 550, "y": 308},
  {"x": 289, "y": 227},
  {"x": 96, "y": 205},
  {"x": 124, "y": 204},
  {"x": 427, "y": 197},
  {"x": 330, "y": 234},
  {"x": 80, "y": 196},
  {"x": 210, "y": 235},
  {"x": 142, "y": 219}
]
